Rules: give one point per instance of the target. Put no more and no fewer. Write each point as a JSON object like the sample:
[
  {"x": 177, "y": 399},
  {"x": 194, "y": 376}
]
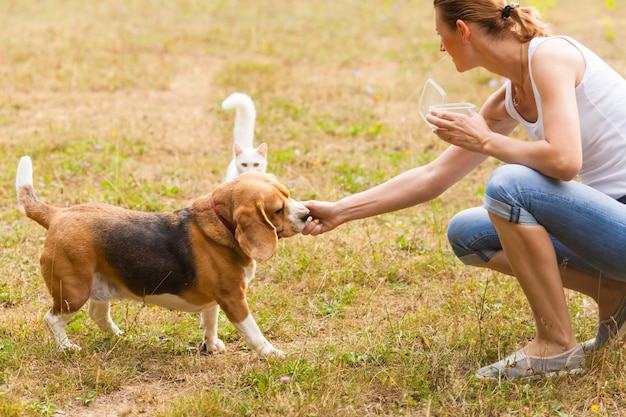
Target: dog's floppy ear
[{"x": 255, "y": 233}]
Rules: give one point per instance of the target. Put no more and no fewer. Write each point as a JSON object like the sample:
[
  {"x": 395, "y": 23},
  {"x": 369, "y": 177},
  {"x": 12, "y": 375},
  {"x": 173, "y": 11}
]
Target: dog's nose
[{"x": 306, "y": 216}]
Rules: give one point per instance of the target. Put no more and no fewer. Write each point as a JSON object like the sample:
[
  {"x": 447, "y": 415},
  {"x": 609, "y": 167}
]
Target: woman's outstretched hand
[{"x": 323, "y": 217}]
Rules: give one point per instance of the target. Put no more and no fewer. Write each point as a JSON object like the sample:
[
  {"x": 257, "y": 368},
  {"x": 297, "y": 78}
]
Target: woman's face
[{"x": 450, "y": 41}]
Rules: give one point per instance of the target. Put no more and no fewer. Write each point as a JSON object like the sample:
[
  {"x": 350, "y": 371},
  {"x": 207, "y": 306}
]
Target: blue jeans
[{"x": 587, "y": 227}]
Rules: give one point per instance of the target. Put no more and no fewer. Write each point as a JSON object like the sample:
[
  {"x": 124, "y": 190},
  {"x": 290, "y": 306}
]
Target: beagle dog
[{"x": 195, "y": 259}]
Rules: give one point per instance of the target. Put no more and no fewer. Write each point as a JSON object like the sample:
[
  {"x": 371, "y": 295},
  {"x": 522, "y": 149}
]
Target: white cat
[{"x": 245, "y": 156}]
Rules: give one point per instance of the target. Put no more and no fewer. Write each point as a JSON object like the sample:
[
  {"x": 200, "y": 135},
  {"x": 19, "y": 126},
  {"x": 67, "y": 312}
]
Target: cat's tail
[{"x": 244, "y": 118}]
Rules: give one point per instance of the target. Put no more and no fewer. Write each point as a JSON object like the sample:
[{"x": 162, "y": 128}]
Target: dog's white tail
[
  {"x": 27, "y": 201},
  {"x": 244, "y": 118},
  {"x": 24, "y": 177}
]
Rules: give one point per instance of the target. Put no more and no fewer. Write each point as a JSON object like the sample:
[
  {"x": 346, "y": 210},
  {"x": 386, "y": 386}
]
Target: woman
[{"x": 538, "y": 223}]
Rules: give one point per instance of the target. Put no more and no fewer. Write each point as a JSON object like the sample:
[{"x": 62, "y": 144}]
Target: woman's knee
[
  {"x": 511, "y": 190},
  {"x": 460, "y": 225},
  {"x": 509, "y": 179},
  {"x": 472, "y": 236}
]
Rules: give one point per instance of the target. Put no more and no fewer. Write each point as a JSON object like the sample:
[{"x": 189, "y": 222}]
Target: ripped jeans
[{"x": 587, "y": 227}]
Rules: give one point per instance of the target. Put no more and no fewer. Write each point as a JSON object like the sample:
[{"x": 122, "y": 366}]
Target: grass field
[{"x": 118, "y": 101}]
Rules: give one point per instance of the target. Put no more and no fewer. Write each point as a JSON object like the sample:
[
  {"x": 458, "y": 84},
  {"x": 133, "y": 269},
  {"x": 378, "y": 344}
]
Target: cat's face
[{"x": 250, "y": 160}]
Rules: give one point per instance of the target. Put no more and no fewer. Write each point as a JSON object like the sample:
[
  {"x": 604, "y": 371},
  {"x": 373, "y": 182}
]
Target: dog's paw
[
  {"x": 210, "y": 348},
  {"x": 269, "y": 351},
  {"x": 67, "y": 347},
  {"x": 114, "y": 330},
  {"x": 109, "y": 326}
]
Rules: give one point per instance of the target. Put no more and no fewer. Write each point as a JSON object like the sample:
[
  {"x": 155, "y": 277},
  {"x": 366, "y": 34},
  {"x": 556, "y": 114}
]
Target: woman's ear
[{"x": 463, "y": 29}]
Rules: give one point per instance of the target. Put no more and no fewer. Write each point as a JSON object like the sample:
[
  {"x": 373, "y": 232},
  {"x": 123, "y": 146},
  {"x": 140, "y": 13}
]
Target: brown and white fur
[{"x": 186, "y": 260}]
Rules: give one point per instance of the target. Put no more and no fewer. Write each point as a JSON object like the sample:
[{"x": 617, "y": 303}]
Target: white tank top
[{"x": 601, "y": 99}]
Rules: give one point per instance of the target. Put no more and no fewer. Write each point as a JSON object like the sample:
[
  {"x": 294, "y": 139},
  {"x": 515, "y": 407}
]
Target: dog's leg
[
  {"x": 57, "y": 324},
  {"x": 65, "y": 305},
  {"x": 68, "y": 276},
  {"x": 235, "y": 305},
  {"x": 255, "y": 339},
  {"x": 99, "y": 311},
  {"x": 208, "y": 318},
  {"x": 102, "y": 291}
]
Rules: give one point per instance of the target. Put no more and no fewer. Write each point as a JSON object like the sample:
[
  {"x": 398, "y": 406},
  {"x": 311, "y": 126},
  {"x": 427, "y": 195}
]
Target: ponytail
[{"x": 497, "y": 17}]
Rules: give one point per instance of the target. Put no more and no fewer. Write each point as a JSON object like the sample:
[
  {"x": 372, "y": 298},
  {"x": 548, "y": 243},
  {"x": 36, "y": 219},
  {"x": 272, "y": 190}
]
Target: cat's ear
[
  {"x": 262, "y": 149},
  {"x": 237, "y": 149}
]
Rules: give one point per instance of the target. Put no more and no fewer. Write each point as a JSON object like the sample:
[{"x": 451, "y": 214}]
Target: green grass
[{"x": 119, "y": 102}]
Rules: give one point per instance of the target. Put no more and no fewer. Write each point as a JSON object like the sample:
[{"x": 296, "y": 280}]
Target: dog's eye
[{"x": 280, "y": 210}]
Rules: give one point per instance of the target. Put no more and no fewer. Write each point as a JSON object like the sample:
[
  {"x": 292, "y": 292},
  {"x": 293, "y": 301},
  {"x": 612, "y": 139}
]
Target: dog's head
[{"x": 261, "y": 211}]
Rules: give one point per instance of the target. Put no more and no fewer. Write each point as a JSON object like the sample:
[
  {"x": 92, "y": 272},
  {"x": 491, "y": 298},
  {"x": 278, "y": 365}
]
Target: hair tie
[{"x": 506, "y": 12}]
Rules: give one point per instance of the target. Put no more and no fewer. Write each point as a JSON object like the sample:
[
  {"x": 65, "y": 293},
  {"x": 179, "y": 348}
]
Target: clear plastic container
[
  {"x": 462, "y": 107},
  {"x": 434, "y": 97}
]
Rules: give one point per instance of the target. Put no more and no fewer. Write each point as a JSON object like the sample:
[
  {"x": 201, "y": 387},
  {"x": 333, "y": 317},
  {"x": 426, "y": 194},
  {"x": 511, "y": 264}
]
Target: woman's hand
[
  {"x": 324, "y": 217},
  {"x": 468, "y": 131}
]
